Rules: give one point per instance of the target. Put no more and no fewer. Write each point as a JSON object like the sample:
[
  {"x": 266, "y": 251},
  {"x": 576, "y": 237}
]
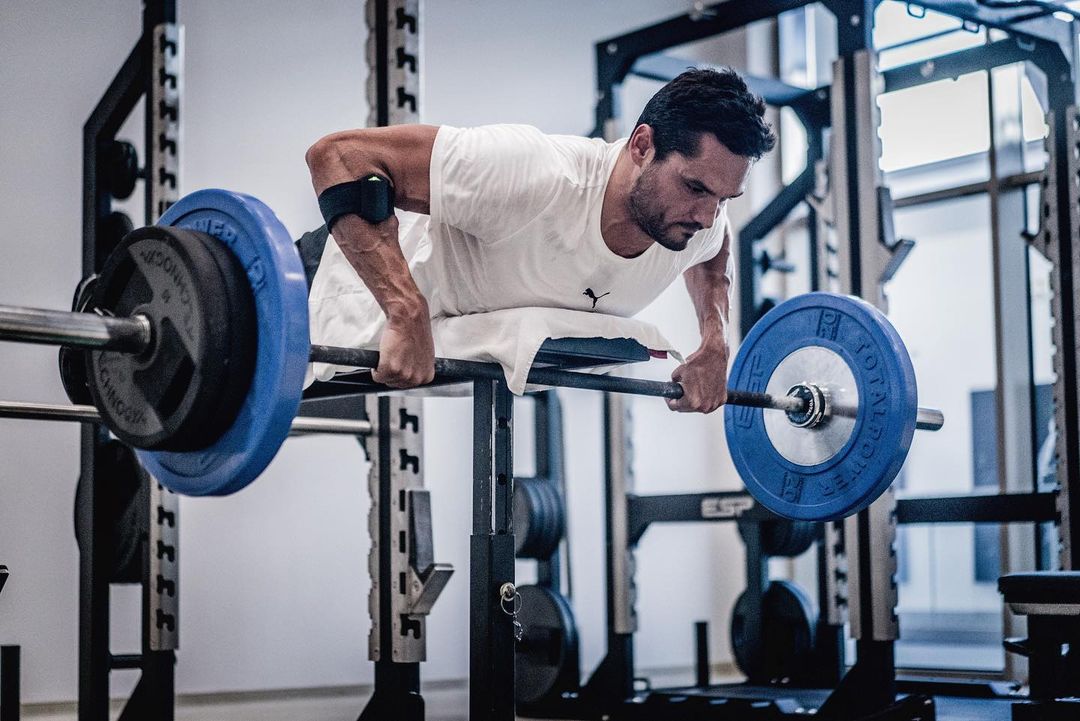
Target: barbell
[{"x": 198, "y": 343}]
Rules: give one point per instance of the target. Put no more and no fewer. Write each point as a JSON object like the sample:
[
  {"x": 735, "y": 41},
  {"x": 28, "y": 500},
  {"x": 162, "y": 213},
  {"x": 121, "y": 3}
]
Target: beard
[{"x": 649, "y": 214}]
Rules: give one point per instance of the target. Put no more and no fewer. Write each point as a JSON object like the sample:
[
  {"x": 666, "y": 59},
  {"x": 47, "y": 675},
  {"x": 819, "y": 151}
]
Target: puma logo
[{"x": 595, "y": 298}]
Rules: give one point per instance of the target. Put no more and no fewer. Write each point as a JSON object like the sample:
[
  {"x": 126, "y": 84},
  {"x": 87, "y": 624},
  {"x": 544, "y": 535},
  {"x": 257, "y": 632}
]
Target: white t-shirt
[{"x": 515, "y": 222}]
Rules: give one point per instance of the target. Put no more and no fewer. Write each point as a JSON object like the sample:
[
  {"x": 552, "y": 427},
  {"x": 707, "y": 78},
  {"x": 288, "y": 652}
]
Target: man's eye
[{"x": 696, "y": 189}]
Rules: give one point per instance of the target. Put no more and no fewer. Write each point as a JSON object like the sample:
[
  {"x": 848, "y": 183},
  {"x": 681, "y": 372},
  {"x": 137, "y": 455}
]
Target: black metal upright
[
  {"x": 491, "y": 569},
  {"x": 9, "y": 682},
  {"x": 153, "y": 697}
]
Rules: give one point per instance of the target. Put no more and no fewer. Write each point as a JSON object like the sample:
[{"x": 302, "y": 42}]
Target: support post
[
  {"x": 861, "y": 261},
  {"x": 491, "y": 659},
  {"x": 398, "y": 640},
  {"x": 9, "y": 682}
]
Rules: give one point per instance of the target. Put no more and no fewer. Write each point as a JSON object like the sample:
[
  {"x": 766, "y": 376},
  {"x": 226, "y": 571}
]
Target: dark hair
[{"x": 708, "y": 101}]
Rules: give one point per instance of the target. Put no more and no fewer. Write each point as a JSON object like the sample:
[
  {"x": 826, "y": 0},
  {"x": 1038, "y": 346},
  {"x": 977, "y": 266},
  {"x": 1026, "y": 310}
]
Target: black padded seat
[
  {"x": 1052, "y": 588},
  {"x": 1051, "y": 602}
]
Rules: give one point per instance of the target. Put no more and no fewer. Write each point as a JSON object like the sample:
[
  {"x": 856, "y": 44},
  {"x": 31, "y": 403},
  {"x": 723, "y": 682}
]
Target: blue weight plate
[
  {"x": 250, "y": 230},
  {"x": 865, "y": 461}
]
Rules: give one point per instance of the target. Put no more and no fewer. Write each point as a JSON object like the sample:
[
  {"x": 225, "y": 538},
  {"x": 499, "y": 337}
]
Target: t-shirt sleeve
[{"x": 491, "y": 181}]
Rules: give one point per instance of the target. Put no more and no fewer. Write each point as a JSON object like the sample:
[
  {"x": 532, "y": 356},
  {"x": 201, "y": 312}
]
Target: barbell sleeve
[
  {"x": 926, "y": 419},
  {"x": 301, "y": 425},
  {"x": 74, "y": 330},
  {"x": 929, "y": 419}
]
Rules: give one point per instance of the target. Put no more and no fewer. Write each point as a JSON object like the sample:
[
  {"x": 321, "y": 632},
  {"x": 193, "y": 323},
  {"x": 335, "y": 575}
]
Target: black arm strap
[{"x": 370, "y": 197}]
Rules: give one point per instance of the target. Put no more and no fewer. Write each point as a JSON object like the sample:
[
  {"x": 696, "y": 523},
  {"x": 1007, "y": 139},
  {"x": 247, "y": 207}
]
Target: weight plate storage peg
[
  {"x": 275, "y": 277},
  {"x": 849, "y": 352}
]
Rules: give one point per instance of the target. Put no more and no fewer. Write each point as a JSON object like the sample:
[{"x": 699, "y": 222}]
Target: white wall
[{"x": 273, "y": 580}]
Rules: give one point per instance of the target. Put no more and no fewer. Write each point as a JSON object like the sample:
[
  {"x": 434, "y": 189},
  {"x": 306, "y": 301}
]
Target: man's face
[{"x": 674, "y": 198}]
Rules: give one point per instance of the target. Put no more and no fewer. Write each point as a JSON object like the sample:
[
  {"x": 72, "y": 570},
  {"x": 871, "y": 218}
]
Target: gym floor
[{"x": 444, "y": 702}]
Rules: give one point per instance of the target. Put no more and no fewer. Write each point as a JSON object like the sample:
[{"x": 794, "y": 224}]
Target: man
[{"x": 519, "y": 218}]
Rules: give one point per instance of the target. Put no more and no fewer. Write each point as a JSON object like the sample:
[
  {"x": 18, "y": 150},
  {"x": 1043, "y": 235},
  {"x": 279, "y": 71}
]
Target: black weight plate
[
  {"x": 788, "y": 538},
  {"x": 72, "y": 361},
  {"x": 167, "y": 396},
  {"x": 538, "y": 518},
  {"x": 112, "y": 229},
  {"x": 119, "y": 476},
  {"x": 786, "y": 645},
  {"x": 548, "y": 647},
  {"x": 556, "y": 517},
  {"x": 544, "y": 547},
  {"x": 525, "y": 526},
  {"x": 242, "y": 337},
  {"x": 121, "y": 165}
]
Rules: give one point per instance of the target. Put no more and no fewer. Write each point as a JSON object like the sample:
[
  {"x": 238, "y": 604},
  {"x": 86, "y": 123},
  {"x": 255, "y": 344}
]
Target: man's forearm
[
  {"x": 375, "y": 253},
  {"x": 703, "y": 375},
  {"x": 709, "y": 286}
]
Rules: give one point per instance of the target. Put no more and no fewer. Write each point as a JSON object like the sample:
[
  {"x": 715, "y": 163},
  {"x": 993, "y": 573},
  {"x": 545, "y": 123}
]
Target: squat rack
[{"x": 841, "y": 125}]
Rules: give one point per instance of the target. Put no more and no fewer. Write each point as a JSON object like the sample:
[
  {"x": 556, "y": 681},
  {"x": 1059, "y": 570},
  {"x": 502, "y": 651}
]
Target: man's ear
[{"x": 641, "y": 144}]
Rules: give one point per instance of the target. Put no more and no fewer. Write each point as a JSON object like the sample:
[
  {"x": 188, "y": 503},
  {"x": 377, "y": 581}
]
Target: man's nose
[{"x": 705, "y": 212}]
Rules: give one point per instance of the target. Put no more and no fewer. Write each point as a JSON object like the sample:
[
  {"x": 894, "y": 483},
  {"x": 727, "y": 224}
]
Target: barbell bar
[
  {"x": 134, "y": 335},
  {"x": 929, "y": 419}
]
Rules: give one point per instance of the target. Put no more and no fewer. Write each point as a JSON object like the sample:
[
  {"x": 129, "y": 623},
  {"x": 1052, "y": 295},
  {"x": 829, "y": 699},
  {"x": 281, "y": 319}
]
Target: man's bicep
[{"x": 401, "y": 152}]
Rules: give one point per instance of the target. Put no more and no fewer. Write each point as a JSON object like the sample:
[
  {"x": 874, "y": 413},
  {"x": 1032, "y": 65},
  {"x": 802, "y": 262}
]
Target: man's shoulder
[{"x": 523, "y": 138}]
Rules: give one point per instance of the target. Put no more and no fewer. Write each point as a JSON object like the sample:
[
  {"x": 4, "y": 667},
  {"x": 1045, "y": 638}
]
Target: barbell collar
[
  {"x": 74, "y": 330},
  {"x": 301, "y": 425}
]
